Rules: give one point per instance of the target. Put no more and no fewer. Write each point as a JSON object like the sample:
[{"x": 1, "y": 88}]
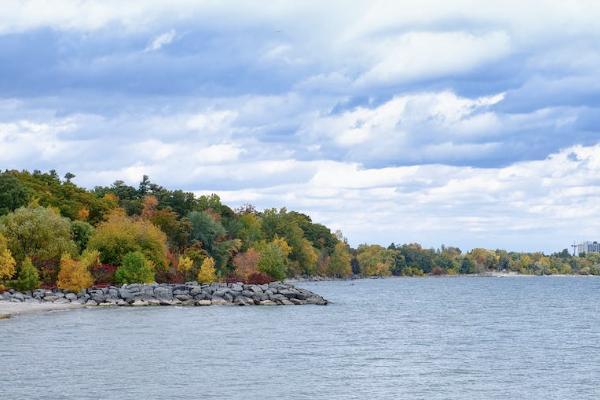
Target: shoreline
[
  {"x": 139, "y": 295},
  {"x": 479, "y": 275},
  {"x": 10, "y": 309}
]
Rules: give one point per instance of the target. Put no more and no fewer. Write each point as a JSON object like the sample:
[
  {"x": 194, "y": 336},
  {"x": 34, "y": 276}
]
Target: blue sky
[{"x": 452, "y": 123}]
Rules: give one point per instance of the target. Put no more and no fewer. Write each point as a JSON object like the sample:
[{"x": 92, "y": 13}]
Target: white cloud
[
  {"x": 161, "y": 40},
  {"x": 411, "y": 127},
  {"x": 422, "y": 55}
]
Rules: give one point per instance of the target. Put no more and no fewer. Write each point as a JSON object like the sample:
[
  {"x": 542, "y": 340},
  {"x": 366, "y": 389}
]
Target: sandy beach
[{"x": 9, "y": 309}]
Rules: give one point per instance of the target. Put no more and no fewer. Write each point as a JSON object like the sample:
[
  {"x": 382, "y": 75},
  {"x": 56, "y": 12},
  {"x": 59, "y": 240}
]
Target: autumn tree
[
  {"x": 246, "y": 263},
  {"x": 207, "y": 272},
  {"x": 74, "y": 275},
  {"x": 340, "y": 262},
  {"x": 120, "y": 235},
  {"x": 7, "y": 262},
  {"x": 375, "y": 260}
]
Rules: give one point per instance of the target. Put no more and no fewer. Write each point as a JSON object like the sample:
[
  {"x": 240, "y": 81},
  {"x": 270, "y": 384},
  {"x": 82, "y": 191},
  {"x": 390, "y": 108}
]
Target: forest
[{"x": 54, "y": 233}]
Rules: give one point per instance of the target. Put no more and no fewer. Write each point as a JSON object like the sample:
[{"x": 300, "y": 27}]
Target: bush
[
  {"x": 207, "y": 273},
  {"x": 413, "y": 271},
  {"x": 74, "y": 275},
  {"x": 103, "y": 274},
  {"x": 258, "y": 278},
  {"x": 27, "y": 277},
  {"x": 135, "y": 269}
]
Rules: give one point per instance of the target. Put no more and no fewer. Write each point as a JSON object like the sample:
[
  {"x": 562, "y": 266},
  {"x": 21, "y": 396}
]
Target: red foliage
[
  {"x": 233, "y": 278},
  {"x": 104, "y": 274},
  {"x": 258, "y": 278},
  {"x": 48, "y": 271}
]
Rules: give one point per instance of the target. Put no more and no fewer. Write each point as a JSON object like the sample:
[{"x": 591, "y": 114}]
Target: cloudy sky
[{"x": 447, "y": 122}]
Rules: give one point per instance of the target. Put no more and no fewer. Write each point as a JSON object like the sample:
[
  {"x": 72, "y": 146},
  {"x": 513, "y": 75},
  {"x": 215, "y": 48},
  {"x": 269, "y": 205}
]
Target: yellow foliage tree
[
  {"x": 7, "y": 261},
  {"x": 73, "y": 275},
  {"x": 184, "y": 264},
  {"x": 207, "y": 272}
]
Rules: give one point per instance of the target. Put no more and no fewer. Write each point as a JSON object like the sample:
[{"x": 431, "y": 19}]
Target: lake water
[{"x": 410, "y": 338}]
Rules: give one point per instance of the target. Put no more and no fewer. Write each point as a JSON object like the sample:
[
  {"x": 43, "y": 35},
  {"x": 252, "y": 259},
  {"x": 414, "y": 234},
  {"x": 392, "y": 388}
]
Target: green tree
[
  {"x": 467, "y": 266},
  {"x": 39, "y": 233},
  {"x": 274, "y": 258},
  {"x": 135, "y": 268},
  {"x": 206, "y": 230},
  {"x": 13, "y": 194},
  {"x": 82, "y": 232},
  {"x": 27, "y": 277}
]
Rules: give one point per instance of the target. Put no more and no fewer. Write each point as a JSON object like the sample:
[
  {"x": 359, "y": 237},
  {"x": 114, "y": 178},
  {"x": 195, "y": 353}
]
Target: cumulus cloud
[{"x": 442, "y": 122}]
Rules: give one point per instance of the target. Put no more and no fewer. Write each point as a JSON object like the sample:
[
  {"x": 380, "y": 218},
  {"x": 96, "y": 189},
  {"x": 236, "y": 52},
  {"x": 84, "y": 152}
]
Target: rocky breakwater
[{"x": 188, "y": 294}]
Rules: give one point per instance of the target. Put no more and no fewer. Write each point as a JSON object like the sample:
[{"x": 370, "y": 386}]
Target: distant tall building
[{"x": 588, "y": 247}]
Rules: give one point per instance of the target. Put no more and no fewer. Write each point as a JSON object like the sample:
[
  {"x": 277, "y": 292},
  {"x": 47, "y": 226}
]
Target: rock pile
[{"x": 188, "y": 294}]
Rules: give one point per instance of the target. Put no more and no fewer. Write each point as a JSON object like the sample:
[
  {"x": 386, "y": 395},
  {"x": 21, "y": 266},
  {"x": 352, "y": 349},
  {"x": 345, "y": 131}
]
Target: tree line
[{"x": 55, "y": 233}]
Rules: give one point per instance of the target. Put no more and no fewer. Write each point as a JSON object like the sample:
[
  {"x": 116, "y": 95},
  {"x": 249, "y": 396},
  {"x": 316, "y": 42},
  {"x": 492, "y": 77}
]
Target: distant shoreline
[{"x": 480, "y": 275}]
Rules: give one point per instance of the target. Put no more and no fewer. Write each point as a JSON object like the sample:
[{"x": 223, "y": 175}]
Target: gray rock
[
  {"x": 196, "y": 290},
  {"x": 268, "y": 303},
  {"x": 183, "y": 297},
  {"x": 203, "y": 302},
  {"x": 125, "y": 293},
  {"x": 163, "y": 293},
  {"x": 71, "y": 296},
  {"x": 139, "y": 303},
  {"x": 50, "y": 298},
  {"x": 236, "y": 287},
  {"x": 91, "y": 303},
  {"x": 218, "y": 301}
]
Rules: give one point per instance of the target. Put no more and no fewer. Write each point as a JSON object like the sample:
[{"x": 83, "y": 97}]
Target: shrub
[
  {"x": 207, "y": 273},
  {"x": 413, "y": 271},
  {"x": 74, "y": 274},
  {"x": 135, "y": 269},
  {"x": 258, "y": 278},
  {"x": 104, "y": 274},
  {"x": 27, "y": 277}
]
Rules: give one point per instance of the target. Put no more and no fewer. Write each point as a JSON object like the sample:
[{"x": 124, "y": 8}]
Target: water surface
[{"x": 412, "y": 338}]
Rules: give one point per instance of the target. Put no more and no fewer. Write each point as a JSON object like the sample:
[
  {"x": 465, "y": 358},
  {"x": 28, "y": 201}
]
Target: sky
[{"x": 464, "y": 123}]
